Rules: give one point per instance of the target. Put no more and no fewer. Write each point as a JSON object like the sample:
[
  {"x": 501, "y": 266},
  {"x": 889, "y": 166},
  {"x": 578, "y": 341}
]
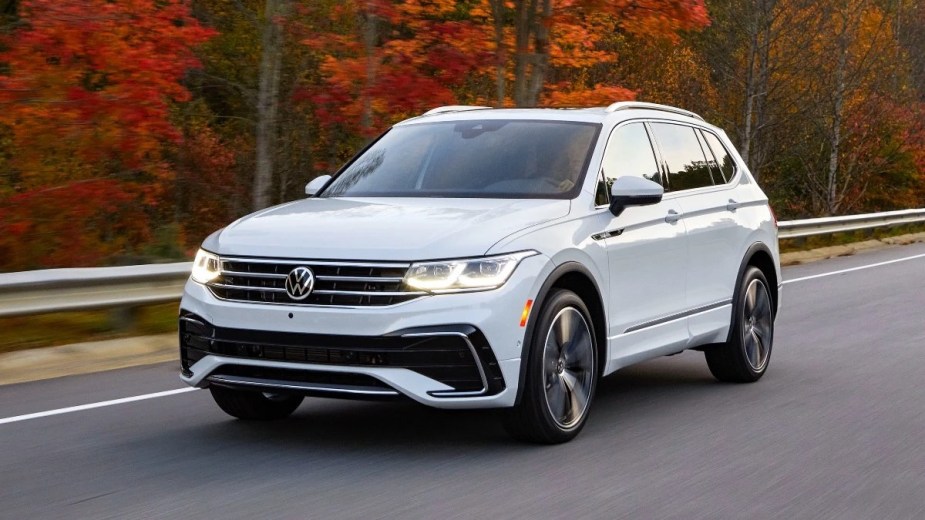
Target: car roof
[{"x": 614, "y": 113}]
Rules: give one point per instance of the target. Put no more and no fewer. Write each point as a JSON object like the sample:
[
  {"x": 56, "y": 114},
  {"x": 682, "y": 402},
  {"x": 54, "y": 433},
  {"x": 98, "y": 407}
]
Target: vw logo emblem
[{"x": 299, "y": 283}]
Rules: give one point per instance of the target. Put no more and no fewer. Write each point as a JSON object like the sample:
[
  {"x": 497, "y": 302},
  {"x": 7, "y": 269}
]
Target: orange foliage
[
  {"x": 424, "y": 53},
  {"x": 418, "y": 57}
]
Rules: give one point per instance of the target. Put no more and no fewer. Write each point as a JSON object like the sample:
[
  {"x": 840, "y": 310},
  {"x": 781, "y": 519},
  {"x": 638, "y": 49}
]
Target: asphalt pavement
[{"x": 835, "y": 429}]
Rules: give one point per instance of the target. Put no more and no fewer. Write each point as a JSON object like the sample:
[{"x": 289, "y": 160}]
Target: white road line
[
  {"x": 833, "y": 273},
  {"x": 101, "y": 404}
]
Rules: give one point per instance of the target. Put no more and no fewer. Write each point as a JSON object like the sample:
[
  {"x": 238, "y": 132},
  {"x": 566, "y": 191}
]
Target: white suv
[{"x": 492, "y": 258}]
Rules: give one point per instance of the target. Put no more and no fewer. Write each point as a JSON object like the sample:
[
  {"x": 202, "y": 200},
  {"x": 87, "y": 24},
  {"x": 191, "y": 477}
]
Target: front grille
[
  {"x": 444, "y": 356},
  {"x": 356, "y": 284}
]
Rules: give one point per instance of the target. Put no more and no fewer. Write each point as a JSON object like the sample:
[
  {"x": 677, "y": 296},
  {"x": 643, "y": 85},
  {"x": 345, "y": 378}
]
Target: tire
[
  {"x": 561, "y": 373},
  {"x": 745, "y": 357},
  {"x": 254, "y": 406}
]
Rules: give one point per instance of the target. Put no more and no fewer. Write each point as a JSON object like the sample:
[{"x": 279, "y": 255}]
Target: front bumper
[{"x": 447, "y": 351}]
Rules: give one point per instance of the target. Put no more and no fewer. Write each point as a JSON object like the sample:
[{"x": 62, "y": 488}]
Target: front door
[{"x": 647, "y": 255}]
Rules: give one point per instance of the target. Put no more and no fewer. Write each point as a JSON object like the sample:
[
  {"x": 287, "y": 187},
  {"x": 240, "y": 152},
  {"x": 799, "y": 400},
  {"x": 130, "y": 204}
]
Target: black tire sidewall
[
  {"x": 535, "y": 391},
  {"x": 752, "y": 274}
]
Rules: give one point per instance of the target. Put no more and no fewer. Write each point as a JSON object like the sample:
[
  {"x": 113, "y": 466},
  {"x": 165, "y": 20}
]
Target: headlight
[
  {"x": 206, "y": 267},
  {"x": 472, "y": 274}
]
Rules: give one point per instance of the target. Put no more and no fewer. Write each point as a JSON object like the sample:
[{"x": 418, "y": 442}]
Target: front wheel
[
  {"x": 744, "y": 358},
  {"x": 561, "y": 373},
  {"x": 254, "y": 406}
]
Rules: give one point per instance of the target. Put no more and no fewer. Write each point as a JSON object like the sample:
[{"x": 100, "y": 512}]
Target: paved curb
[{"x": 84, "y": 358}]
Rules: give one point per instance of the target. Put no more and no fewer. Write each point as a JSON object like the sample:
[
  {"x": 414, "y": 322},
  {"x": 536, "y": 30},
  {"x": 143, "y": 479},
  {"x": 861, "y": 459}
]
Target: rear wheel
[
  {"x": 254, "y": 406},
  {"x": 561, "y": 373},
  {"x": 745, "y": 357}
]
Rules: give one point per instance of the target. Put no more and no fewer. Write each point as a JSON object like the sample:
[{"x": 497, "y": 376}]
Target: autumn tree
[
  {"x": 848, "y": 78},
  {"x": 86, "y": 90},
  {"x": 383, "y": 59},
  {"x": 564, "y": 38}
]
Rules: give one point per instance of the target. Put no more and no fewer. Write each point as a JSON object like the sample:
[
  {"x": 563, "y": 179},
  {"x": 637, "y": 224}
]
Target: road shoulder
[{"x": 84, "y": 358}]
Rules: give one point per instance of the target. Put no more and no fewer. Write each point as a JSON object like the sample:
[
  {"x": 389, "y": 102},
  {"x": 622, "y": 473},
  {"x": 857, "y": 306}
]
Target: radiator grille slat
[{"x": 358, "y": 284}]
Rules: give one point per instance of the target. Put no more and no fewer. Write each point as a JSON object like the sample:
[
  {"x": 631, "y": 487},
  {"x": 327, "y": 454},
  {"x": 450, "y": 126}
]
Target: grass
[
  {"x": 839, "y": 239},
  {"x": 63, "y": 328},
  {"x": 73, "y": 327}
]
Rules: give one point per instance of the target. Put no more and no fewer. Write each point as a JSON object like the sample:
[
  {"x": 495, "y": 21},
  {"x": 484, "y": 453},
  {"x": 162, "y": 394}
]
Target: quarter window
[
  {"x": 723, "y": 159},
  {"x": 715, "y": 173},
  {"x": 685, "y": 162}
]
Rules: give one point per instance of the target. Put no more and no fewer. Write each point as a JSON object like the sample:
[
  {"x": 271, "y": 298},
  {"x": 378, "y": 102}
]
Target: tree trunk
[
  {"x": 838, "y": 104},
  {"x": 758, "y": 140},
  {"x": 370, "y": 38},
  {"x": 525, "y": 16},
  {"x": 746, "y": 147},
  {"x": 268, "y": 101},
  {"x": 541, "y": 55},
  {"x": 497, "y": 14}
]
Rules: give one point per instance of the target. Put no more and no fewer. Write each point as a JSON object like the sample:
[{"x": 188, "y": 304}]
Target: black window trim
[{"x": 734, "y": 180}]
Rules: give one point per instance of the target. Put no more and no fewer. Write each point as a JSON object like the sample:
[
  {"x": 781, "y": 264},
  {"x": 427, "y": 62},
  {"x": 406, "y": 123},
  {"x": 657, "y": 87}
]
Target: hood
[{"x": 395, "y": 229}]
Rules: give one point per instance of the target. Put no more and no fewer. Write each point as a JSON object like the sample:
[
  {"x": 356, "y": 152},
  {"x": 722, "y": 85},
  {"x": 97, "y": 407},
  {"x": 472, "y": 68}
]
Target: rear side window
[
  {"x": 685, "y": 162},
  {"x": 723, "y": 159}
]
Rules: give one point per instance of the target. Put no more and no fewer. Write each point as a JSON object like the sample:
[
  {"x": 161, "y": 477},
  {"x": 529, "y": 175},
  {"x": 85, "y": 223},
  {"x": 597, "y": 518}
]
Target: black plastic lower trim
[{"x": 457, "y": 355}]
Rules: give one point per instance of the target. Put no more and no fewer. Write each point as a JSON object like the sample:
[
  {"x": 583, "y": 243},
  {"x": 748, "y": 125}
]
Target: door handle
[
  {"x": 732, "y": 205},
  {"x": 673, "y": 216}
]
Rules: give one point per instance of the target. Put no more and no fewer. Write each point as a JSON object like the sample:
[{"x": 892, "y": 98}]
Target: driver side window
[{"x": 629, "y": 152}]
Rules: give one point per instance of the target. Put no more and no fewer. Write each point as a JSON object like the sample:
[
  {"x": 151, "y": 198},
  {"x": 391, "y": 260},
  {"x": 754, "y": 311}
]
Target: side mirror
[
  {"x": 633, "y": 191},
  {"x": 316, "y": 184}
]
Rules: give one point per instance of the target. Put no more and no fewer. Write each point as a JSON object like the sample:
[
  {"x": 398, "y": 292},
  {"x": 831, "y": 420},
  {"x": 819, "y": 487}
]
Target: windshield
[{"x": 476, "y": 159}]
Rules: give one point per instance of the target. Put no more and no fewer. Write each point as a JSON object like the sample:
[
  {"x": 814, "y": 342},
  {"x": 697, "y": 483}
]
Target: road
[{"x": 836, "y": 429}]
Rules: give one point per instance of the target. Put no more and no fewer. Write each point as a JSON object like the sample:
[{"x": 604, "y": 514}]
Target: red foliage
[
  {"x": 70, "y": 225},
  {"x": 86, "y": 99},
  {"x": 419, "y": 60},
  {"x": 208, "y": 194},
  {"x": 92, "y": 80}
]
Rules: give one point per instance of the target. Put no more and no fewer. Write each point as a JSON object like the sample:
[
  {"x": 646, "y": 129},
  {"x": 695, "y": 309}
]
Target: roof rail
[
  {"x": 452, "y": 108},
  {"x": 626, "y": 105}
]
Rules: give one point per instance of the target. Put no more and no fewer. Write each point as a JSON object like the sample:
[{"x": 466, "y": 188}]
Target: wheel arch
[
  {"x": 577, "y": 278},
  {"x": 758, "y": 255}
]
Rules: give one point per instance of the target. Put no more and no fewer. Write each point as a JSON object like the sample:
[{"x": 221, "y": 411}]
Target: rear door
[
  {"x": 647, "y": 255},
  {"x": 698, "y": 182}
]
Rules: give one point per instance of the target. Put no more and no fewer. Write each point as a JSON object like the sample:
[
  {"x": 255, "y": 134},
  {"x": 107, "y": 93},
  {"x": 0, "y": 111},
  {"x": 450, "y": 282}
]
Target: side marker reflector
[{"x": 526, "y": 313}]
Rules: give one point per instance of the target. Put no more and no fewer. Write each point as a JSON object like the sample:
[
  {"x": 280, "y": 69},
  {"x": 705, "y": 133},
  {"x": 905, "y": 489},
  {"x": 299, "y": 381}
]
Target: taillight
[{"x": 773, "y": 216}]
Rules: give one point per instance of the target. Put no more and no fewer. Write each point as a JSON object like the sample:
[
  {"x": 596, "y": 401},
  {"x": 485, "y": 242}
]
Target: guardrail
[
  {"x": 55, "y": 290},
  {"x": 826, "y": 225}
]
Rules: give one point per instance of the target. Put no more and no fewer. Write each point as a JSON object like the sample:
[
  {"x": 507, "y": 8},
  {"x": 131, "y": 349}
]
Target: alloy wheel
[
  {"x": 756, "y": 325},
  {"x": 568, "y": 367}
]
